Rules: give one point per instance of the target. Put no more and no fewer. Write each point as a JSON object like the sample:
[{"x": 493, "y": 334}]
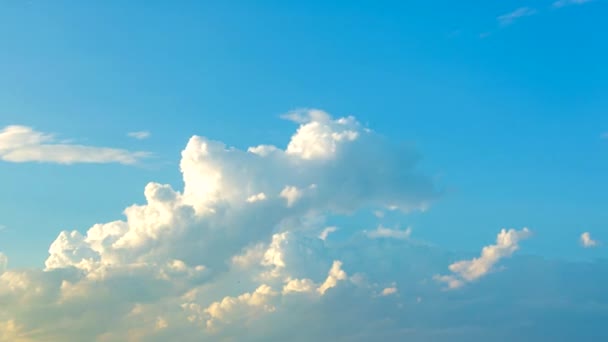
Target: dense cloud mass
[{"x": 245, "y": 252}]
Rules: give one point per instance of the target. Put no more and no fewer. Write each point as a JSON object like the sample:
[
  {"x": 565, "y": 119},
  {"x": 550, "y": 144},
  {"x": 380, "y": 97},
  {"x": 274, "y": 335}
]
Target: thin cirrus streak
[{"x": 21, "y": 144}]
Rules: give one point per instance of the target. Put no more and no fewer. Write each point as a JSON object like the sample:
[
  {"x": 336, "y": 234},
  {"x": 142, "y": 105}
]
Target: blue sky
[
  {"x": 511, "y": 122},
  {"x": 504, "y": 102}
]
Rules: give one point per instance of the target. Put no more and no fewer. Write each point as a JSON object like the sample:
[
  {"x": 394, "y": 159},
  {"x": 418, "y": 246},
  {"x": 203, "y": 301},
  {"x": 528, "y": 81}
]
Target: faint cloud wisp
[
  {"x": 564, "y": 3},
  {"x": 139, "y": 135},
  {"x": 509, "y": 18},
  {"x": 21, "y": 144}
]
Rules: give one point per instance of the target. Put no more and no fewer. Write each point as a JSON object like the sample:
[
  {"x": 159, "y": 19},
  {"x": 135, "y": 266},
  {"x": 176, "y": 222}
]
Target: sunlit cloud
[{"x": 20, "y": 144}]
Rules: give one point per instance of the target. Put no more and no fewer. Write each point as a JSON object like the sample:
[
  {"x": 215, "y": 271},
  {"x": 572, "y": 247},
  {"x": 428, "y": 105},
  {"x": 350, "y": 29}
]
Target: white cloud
[
  {"x": 257, "y": 197},
  {"x": 139, "y": 135},
  {"x": 299, "y": 285},
  {"x": 325, "y": 233},
  {"x": 587, "y": 241},
  {"x": 563, "y": 3},
  {"x": 195, "y": 261},
  {"x": 387, "y": 233},
  {"x": 20, "y": 144},
  {"x": 291, "y": 194},
  {"x": 389, "y": 291},
  {"x": 507, "y": 242},
  {"x": 509, "y": 18},
  {"x": 205, "y": 264},
  {"x": 335, "y": 275}
]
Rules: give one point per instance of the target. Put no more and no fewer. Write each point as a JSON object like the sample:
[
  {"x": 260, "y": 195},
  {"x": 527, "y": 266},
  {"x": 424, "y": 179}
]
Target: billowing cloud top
[{"x": 242, "y": 253}]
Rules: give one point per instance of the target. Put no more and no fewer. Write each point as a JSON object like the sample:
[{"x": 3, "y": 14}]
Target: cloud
[
  {"x": 245, "y": 225},
  {"x": 389, "y": 291},
  {"x": 564, "y": 3},
  {"x": 3, "y": 262},
  {"x": 139, "y": 135},
  {"x": 20, "y": 144},
  {"x": 604, "y": 135},
  {"x": 587, "y": 241},
  {"x": 205, "y": 264},
  {"x": 257, "y": 197},
  {"x": 509, "y": 18},
  {"x": 291, "y": 194},
  {"x": 325, "y": 233},
  {"x": 383, "y": 232},
  {"x": 507, "y": 242}
]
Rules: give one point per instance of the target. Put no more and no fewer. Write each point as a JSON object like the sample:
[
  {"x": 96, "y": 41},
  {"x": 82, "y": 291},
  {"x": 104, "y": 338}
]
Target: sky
[{"x": 209, "y": 168}]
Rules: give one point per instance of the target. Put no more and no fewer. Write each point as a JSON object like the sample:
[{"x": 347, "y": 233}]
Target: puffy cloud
[
  {"x": 20, "y": 144},
  {"x": 291, "y": 194},
  {"x": 507, "y": 242},
  {"x": 205, "y": 263},
  {"x": 335, "y": 275},
  {"x": 242, "y": 307},
  {"x": 587, "y": 241},
  {"x": 139, "y": 135},
  {"x": 257, "y": 197},
  {"x": 389, "y": 291},
  {"x": 299, "y": 285},
  {"x": 244, "y": 220}
]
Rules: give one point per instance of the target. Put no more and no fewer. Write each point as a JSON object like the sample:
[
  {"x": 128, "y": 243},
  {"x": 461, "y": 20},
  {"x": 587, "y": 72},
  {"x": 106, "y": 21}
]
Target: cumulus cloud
[
  {"x": 257, "y": 197},
  {"x": 206, "y": 263},
  {"x": 563, "y": 3},
  {"x": 139, "y": 135},
  {"x": 291, "y": 194},
  {"x": 20, "y": 144},
  {"x": 244, "y": 228},
  {"x": 587, "y": 241},
  {"x": 507, "y": 242},
  {"x": 509, "y": 18},
  {"x": 389, "y": 291}
]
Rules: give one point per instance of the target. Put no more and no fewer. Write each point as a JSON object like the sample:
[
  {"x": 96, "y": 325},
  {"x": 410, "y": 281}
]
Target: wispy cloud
[
  {"x": 383, "y": 232},
  {"x": 604, "y": 135},
  {"x": 20, "y": 144},
  {"x": 139, "y": 135},
  {"x": 509, "y": 18},
  {"x": 587, "y": 241},
  {"x": 325, "y": 233},
  {"x": 564, "y": 3}
]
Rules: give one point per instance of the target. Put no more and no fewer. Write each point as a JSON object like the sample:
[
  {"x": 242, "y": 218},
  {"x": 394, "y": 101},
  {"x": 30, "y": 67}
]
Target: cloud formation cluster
[
  {"x": 262, "y": 208},
  {"x": 245, "y": 252}
]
